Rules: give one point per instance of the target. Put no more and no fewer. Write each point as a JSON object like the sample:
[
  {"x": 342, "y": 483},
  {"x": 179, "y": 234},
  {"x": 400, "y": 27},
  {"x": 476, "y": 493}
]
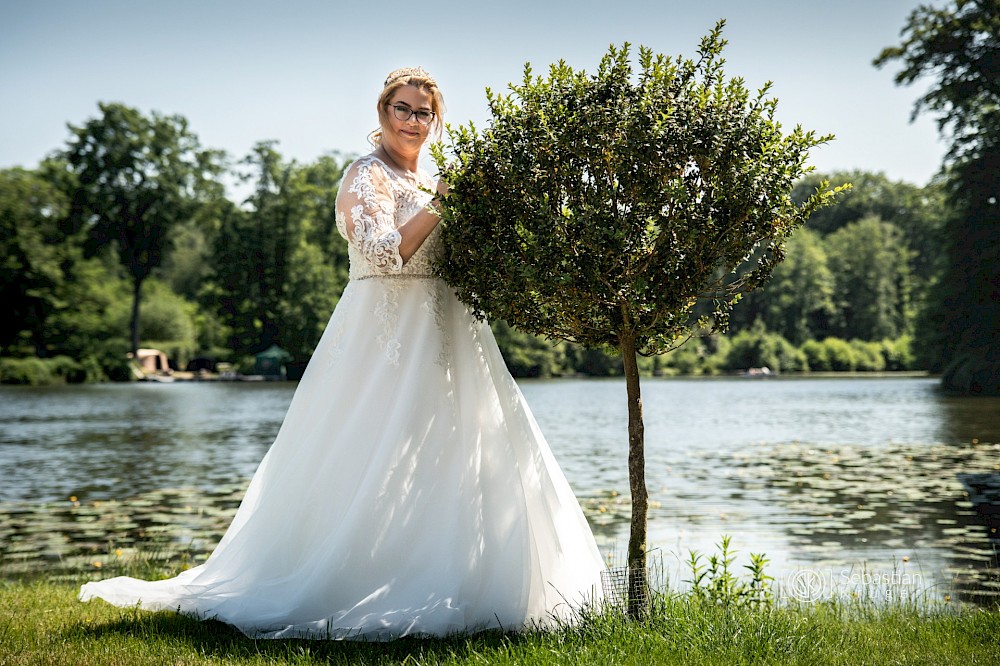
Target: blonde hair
[{"x": 409, "y": 76}]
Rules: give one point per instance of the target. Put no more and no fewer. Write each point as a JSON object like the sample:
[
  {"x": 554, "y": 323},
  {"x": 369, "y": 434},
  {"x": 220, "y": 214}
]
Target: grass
[{"x": 41, "y": 622}]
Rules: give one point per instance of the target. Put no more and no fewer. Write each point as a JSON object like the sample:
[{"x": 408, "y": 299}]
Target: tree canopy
[
  {"x": 597, "y": 206},
  {"x": 958, "y": 46},
  {"x": 136, "y": 177}
]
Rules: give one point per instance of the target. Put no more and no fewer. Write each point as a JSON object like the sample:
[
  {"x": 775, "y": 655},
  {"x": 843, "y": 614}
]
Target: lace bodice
[{"x": 372, "y": 203}]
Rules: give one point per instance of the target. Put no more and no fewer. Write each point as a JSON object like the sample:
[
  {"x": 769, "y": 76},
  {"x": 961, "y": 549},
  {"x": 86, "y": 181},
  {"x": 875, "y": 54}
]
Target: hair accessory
[{"x": 408, "y": 71}]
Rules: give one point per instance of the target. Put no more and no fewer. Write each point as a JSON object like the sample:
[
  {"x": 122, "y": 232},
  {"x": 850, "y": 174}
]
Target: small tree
[{"x": 624, "y": 212}]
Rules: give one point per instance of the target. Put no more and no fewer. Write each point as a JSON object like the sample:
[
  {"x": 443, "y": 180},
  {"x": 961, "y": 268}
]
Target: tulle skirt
[{"x": 409, "y": 491}]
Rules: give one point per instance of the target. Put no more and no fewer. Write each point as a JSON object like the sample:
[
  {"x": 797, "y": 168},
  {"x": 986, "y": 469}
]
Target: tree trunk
[
  {"x": 136, "y": 293},
  {"x": 638, "y": 586}
]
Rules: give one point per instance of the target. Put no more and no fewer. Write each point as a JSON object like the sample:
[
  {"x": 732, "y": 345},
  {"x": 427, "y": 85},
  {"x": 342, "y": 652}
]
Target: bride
[{"x": 409, "y": 490}]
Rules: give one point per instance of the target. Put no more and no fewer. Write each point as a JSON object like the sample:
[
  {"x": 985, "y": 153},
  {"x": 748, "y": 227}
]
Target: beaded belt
[{"x": 398, "y": 276}]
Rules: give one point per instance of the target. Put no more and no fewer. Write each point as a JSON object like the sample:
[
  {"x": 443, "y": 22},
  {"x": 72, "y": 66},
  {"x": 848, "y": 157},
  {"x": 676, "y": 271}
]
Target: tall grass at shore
[
  {"x": 722, "y": 619},
  {"x": 43, "y": 623}
]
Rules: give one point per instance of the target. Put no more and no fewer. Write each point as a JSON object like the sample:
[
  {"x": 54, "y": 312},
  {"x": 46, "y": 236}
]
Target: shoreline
[{"x": 184, "y": 377}]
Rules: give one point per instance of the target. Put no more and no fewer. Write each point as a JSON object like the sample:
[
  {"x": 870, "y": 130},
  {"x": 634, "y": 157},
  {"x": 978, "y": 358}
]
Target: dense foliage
[
  {"x": 221, "y": 280},
  {"x": 597, "y": 206},
  {"x": 200, "y": 301},
  {"x": 278, "y": 264}
]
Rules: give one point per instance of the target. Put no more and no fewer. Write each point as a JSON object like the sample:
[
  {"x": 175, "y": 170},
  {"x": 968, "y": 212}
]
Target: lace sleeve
[{"x": 366, "y": 216}]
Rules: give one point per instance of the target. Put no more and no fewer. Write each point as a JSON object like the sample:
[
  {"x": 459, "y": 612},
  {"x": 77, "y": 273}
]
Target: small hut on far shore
[
  {"x": 152, "y": 360},
  {"x": 270, "y": 363}
]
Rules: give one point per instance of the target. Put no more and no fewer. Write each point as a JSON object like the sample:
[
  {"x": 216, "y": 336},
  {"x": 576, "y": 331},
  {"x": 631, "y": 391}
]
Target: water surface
[{"x": 833, "y": 476}]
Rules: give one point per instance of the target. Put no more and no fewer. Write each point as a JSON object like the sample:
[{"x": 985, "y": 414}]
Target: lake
[{"x": 844, "y": 483}]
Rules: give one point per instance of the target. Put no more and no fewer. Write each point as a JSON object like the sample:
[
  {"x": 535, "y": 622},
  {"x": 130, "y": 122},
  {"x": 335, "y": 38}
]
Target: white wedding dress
[{"x": 409, "y": 490}]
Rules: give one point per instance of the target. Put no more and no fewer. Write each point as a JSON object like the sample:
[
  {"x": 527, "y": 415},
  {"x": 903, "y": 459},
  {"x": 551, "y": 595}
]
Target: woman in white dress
[{"x": 409, "y": 490}]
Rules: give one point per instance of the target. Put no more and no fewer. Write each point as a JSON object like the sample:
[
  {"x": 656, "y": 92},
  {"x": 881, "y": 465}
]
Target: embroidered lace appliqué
[
  {"x": 374, "y": 224},
  {"x": 434, "y": 306},
  {"x": 387, "y": 314},
  {"x": 336, "y": 350}
]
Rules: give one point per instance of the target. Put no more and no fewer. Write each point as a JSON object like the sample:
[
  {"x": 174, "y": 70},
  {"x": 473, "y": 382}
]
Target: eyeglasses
[{"x": 404, "y": 113}]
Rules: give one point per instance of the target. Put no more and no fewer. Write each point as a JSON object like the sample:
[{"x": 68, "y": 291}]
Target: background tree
[
  {"x": 279, "y": 263},
  {"x": 959, "y": 46},
  {"x": 318, "y": 261},
  {"x": 527, "y": 355},
  {"x": 917, "y": 212},
  {"x": 758, "y": 348},
  {"x": 168, "y": 321},
  {"x": 624, "y": 212},
  {"x": 869, "y": 262},
  {"x": 32, "y": 256},
  {"x": 273, "y": 231},
  {"x": 187, "y": 260},
  {"x": 883, "y": 289},
  {"x": 798, "y": 300},
  {"x": 136, "y": 178},
  {"x": 57, "y": 299}
]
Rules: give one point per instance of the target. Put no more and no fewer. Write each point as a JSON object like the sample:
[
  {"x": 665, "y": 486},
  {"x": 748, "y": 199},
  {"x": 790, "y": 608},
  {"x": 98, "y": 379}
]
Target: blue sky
[{"x": 306, "y": 73}]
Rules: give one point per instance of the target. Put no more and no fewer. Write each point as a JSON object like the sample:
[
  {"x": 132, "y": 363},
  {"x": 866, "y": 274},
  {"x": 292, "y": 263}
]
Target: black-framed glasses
[{"x": 404, "y": 113}]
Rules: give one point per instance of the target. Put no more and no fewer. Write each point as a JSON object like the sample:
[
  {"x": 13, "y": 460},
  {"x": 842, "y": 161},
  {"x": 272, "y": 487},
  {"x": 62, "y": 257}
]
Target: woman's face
[{"x": 406, "y": 136}]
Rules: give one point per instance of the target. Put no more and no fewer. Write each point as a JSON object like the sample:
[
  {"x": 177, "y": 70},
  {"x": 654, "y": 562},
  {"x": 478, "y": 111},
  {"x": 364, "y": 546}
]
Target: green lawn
[{"x": 41, "y": 622}]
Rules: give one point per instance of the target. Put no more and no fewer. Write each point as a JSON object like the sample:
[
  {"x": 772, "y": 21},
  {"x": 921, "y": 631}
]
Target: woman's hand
[{"x": 442, "y": 191}]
